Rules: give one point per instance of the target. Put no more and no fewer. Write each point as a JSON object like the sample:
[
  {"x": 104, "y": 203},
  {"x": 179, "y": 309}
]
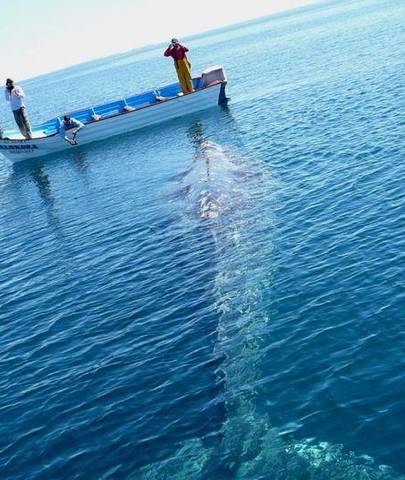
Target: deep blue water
[{"x": 223, "y": 296}]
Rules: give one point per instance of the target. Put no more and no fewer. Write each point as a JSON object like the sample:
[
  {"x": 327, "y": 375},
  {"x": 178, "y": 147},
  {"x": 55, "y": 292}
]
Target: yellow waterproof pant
[{"x": 183, "y": 69}]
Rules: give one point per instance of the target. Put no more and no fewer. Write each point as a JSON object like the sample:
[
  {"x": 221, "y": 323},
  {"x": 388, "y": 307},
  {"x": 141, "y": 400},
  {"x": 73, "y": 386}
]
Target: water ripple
[{"x": 222, "y": 296}]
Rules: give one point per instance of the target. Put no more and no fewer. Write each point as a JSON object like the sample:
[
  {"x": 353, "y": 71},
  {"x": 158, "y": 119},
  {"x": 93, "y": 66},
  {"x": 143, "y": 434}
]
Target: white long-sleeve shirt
[
  {"x": 73, "y": 123},
  {"x": 15, "y": 97}
]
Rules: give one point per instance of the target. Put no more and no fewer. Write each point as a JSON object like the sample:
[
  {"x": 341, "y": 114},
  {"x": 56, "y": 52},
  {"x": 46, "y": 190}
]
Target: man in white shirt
[
  {"x": 15, "y": 95},
  {"x": 70, "y": 123}
]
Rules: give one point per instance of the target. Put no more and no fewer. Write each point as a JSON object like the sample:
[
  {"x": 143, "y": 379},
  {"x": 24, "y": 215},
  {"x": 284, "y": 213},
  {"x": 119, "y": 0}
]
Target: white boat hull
[{"x": 17, "y": 150}]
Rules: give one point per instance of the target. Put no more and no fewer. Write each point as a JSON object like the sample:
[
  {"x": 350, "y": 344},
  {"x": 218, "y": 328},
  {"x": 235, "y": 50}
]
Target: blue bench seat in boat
[
  {"x": 83, "y": 116},
  {"x": 170, "y": 90},
  {"x": 47, "y": 128},
  {"x": 198, "y": 83},
  {"x": 141, "y": 100},
  {"x": 109, "y": 109}
]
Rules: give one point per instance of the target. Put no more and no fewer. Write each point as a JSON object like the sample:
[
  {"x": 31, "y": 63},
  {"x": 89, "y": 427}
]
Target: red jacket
[{"x": 177, "y": 53}]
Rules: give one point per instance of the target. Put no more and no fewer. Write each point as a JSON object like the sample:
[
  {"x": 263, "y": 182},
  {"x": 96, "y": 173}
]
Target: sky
[{"x": 40, "y": 36}]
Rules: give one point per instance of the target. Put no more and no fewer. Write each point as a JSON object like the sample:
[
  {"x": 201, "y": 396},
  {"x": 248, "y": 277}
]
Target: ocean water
[{"x": 221, "y": 296}]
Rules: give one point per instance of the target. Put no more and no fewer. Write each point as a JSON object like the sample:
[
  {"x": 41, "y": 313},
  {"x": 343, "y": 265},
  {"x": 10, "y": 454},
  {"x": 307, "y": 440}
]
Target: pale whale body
[{"x": 221, "y": 188}]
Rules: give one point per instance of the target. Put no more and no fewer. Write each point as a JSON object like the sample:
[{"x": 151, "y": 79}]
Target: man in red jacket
[{"x": 183, "y": 66}]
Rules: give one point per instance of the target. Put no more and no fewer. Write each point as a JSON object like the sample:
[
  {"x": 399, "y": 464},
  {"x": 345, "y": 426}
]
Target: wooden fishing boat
[{"x": 118, "y": 117}]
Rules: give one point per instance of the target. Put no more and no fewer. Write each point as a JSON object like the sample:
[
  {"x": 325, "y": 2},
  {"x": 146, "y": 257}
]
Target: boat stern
[{"x": 213, "y": 76}]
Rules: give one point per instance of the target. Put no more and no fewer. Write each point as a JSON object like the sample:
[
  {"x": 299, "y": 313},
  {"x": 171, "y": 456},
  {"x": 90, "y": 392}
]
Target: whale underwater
[{"x": 224, "y": 189}]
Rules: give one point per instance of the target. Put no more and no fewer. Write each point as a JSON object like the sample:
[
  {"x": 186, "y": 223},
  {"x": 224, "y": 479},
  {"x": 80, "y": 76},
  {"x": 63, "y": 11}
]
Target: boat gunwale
[{"x": 31, "y": 140}]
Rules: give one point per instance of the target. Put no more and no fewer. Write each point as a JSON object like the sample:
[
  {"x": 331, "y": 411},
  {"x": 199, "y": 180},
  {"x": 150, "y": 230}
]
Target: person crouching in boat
[
  {"x": 183, "y": 67},
  {"x": 70, "y": 123}
]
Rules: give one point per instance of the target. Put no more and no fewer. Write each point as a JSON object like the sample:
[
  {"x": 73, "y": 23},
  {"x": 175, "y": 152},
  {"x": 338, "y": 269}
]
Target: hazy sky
[{"x": 38, "y": 36}]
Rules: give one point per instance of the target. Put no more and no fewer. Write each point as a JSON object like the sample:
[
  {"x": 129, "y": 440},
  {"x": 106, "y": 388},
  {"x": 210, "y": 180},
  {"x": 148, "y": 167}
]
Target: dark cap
[{"x": 9, "y": 80}]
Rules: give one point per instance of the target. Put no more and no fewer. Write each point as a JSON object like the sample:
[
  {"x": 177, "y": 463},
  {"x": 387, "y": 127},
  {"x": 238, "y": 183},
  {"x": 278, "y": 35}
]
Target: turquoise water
[{"x": 222, "y": 296}]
